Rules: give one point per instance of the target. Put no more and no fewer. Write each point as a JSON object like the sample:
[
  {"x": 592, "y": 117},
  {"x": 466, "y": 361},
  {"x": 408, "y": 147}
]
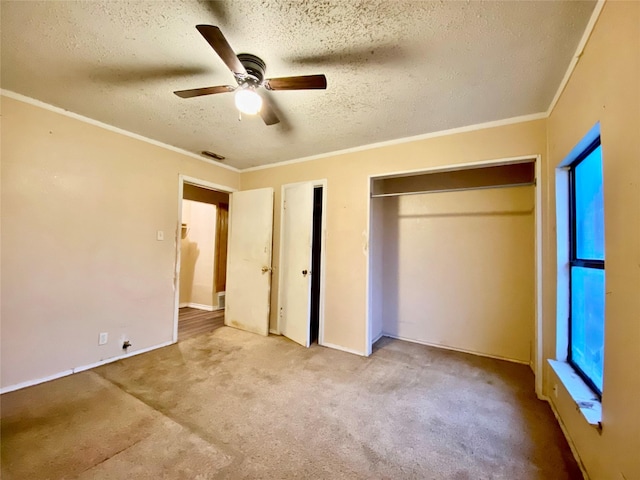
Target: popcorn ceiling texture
[{"x": 394, "y": 68}]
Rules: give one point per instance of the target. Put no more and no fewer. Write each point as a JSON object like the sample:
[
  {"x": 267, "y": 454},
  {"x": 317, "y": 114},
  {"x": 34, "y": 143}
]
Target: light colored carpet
[{"x": 233, "y": 405}]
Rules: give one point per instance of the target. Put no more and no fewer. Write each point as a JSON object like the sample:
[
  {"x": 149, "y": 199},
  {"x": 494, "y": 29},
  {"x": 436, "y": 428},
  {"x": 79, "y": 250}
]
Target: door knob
[
  {"x": 304, "y": 273},
  {"x": 266, "y": 269}
]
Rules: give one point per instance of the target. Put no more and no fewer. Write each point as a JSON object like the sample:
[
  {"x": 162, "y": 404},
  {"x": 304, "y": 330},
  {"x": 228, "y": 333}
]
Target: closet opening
[{"x": 454, "y": 259}]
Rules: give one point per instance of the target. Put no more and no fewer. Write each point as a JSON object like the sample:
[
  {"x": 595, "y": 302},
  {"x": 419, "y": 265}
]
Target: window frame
[{"x": 574, "y": 261}]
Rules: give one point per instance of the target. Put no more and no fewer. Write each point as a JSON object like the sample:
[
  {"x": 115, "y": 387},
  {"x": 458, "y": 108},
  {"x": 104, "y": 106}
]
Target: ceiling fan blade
[
  {"x": 267, "y": 112},
  {"x": 198, "y": 92},
  {"x": 306, "y": 82},
  {"x": 214, "y": 36}
]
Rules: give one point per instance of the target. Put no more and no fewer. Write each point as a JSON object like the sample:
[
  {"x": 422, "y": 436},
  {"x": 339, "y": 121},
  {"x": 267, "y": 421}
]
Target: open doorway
[{"x": 201, "y": 260}]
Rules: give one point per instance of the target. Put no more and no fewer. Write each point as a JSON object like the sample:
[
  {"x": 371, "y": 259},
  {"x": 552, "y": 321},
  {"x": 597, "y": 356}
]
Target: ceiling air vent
[{"x": 215, "y": 156}]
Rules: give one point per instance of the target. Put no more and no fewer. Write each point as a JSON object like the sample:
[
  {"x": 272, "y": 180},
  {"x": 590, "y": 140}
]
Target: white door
[
  {"x": 294, "y": 299},
  {"x": 248, "y": 289}
]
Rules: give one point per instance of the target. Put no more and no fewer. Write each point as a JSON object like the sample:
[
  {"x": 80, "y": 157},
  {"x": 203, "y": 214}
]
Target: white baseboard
[
  {"x": 455, "y": 349},
  {"x": 81, "y": 368},
  {"x": 274, "y": 331},
  {"x": 29, "y": 383},
  {"x": 200, "y": 306},
  {"x": 344, "y": 349},
  {"x": 377, "y": 338}
]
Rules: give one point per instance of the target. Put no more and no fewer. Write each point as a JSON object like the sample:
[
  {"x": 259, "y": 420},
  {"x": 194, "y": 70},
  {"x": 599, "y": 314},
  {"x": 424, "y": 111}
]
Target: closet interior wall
[{"x": 456, "y": 268}]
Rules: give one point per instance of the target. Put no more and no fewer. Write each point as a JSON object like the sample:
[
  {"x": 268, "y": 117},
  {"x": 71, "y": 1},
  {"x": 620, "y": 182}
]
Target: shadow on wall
[
  {"x": 390, "y": 265},
  {"x": 458, "y": 270}
]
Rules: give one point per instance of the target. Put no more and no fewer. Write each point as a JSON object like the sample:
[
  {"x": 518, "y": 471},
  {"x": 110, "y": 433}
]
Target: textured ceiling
[{"x": 394, "y": 68}]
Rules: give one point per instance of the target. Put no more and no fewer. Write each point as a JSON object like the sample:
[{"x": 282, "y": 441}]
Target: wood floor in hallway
[{"x": 193, "y": 321}]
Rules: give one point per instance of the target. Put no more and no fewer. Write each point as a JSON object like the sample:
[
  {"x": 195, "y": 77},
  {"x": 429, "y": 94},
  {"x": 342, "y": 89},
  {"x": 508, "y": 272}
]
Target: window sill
[{"x": 586, "y": 401}]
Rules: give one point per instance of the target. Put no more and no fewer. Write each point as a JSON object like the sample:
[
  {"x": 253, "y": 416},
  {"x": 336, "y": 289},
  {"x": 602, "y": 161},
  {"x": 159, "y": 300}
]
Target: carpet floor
[{"x": 234, "y": 405}]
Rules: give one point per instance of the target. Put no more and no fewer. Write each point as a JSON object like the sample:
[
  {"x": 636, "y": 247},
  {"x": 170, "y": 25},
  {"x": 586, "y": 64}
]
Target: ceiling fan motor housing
[
  {"x": 249, "y": 73},
  {"x": 255, "y": 67}
]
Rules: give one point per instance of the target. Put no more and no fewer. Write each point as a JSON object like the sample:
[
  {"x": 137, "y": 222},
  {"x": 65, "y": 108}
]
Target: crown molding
[
  {"x": 576, "y": 56},
  {"x": 111, "y": 128},
  {"x": 398, "y": 141},
  {"x": 479, "y": 126}
]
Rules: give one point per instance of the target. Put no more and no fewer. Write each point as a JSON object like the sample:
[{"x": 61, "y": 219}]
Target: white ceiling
[{"x": 394, "y": 68}]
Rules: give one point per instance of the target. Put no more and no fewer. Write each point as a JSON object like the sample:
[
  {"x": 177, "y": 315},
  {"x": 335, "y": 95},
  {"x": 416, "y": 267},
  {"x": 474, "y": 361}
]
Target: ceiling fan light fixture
[
  {"x": 248, "y": 71},
  {"x": 248, "y": 101}
]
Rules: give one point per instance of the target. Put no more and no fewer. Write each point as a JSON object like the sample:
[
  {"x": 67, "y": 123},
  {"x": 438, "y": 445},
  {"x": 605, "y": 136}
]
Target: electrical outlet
[
  {"x": 104, "y": 337},
  {"x": 555, "y": 390},
  {"x": 160, "y": 235}
]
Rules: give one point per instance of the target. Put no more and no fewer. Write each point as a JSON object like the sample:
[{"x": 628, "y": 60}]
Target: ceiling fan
[{"x": 249, "y": 71}]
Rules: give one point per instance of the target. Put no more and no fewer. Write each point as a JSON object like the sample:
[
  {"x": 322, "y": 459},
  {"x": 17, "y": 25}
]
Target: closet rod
[{"x": 462, "y": 189}]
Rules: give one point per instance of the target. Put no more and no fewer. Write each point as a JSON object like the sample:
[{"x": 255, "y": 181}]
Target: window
[{"x": 586, "y": 259}]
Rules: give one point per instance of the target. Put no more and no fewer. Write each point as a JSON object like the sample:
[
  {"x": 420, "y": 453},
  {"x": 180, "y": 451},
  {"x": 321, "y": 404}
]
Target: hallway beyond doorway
[{"x": 193, "y": 322}]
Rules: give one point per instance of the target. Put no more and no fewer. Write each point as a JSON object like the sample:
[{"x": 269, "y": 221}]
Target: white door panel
[
  {"x": 295, "y": 262},
  {"x": 249, "y": 260}
]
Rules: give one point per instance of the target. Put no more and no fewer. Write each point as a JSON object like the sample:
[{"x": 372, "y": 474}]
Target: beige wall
[
  {"x": 605, "y": 87},
  {"x": 81, "y": 206},
  {"x": 347, "y": 208},
  {"x": 80, "y": 209},
  {"x": 197, "y": 255},
  {"x": 458, "y": 270}
]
